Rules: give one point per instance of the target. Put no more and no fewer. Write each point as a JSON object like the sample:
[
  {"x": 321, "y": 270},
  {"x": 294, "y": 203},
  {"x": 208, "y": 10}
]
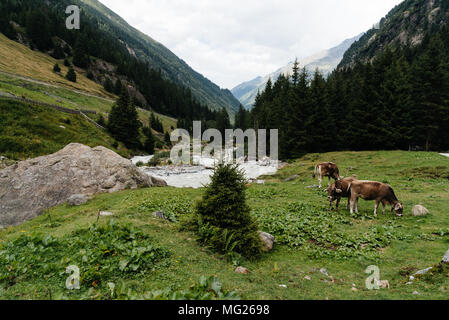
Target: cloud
[{"x": 231, "y": 41}]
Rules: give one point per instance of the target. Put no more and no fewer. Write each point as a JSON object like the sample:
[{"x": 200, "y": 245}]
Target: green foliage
[
  {"x": 223, "y": 216},
  {"x": 108, "y": 86},
  {"x": 102, "y": 253},
  {"x": 319, "y": 233},
  {"x": 205, "y": 289}
]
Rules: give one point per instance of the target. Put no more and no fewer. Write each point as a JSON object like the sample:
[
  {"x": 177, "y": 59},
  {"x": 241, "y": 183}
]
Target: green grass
[
  {"x": 309, "y": 238},
  {"x": 28, "y": 131}
]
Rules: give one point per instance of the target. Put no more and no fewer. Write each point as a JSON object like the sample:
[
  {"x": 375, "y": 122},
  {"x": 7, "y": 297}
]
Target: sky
[{"x": 232, "y": 41}]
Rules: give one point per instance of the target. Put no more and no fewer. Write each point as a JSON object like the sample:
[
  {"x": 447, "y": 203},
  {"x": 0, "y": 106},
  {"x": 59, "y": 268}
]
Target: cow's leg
[
  {"x": 349, "y": 203},
  {"x": 338, "y": 203},
  {"x": 376, "y": 206},
  {"x": 330, "y": 205},
  {"x": 352, "y": 204},
  {"x": 329, "y": 181},
  {"x": 357, "y": 205},
  {"x": 320, "y": 180},
  {"x": 383, "y": 207}
]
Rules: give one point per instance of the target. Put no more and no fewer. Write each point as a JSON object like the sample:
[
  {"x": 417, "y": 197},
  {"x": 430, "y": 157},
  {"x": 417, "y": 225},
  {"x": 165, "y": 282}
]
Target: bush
[
  {"x": 56, "y": 68},
  {"x": 223, "y": 218},
  {"x": 71, "y": 75}
]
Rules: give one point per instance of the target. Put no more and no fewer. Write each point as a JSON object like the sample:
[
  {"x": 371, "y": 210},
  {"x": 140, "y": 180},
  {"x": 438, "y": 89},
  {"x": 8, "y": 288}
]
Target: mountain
[
  {"x": 159, "y": 57},
  {"x": 109, "y": 49},
  {"x": 404, "y": 26},
  {"x": 325, "y": 61}
]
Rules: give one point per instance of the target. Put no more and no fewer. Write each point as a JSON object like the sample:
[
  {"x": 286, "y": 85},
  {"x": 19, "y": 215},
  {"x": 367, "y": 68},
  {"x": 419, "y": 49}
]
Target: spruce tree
[
  {"x": 56, "y": 68},
  {"x": 123, "y": 121},
  {"x": 71, "y": 75},
  {"x": 223, "y": 216}
]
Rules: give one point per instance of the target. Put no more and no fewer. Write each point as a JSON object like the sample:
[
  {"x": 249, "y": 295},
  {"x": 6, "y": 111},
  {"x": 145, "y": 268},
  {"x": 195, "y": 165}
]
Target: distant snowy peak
[{"x": 325, "y": 61}]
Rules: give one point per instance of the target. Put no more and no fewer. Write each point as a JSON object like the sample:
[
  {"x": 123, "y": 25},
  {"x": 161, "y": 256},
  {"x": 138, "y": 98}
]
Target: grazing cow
[
  {"x": 340, "y": 189},
  {"x": 326, "y": 169},
  {"x": 377, "y": 191}
]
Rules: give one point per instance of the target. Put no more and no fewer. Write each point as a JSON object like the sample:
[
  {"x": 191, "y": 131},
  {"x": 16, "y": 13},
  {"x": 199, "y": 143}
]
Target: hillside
[
  {"x": 404, "y": 26},
  {"x": 28, "y": 131},
  {"x": 324, "y": 61},
  {"x": 159, "y": 57},
  {"x": 308, "y": 240}
]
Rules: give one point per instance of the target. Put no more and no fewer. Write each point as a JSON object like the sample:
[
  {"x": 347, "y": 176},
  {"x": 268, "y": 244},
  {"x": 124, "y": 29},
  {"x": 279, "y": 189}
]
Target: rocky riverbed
[{"x": 197, "y": 176}]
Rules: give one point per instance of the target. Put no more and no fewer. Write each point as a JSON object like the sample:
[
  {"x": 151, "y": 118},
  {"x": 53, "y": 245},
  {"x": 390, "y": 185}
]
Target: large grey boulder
[{"x": 29, "y": 187}]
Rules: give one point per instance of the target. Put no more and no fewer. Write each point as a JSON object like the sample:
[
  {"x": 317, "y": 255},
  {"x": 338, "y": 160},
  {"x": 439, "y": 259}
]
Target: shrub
[
  {"x": 71, "y": 75},
  {"x": 56, "y": 68},
  {"x": 223, "y": 217}
]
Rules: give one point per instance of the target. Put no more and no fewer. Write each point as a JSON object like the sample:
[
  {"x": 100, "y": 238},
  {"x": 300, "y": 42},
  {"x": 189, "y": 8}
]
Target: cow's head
[
  {"x": 334, "y": 191},
  {"x": 398, "y": 208}
]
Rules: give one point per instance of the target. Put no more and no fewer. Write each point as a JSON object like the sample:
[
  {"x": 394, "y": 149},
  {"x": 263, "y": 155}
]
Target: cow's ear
[{"x": 338, "y": 190}]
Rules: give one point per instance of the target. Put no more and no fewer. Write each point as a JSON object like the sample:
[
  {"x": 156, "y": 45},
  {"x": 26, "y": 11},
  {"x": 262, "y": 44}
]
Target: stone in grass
[
  {"x": 291, "y": 178},
  {"x": 419, "y": 211},
  {"x": 159, "y": 215},
  {"x": 241, "y": 270},
  {"x": 446, "y": 258},
  {"x": 106, "y": 214},
  {"x": 267, "y": 241},
  {"x": 77, "y": 200}
]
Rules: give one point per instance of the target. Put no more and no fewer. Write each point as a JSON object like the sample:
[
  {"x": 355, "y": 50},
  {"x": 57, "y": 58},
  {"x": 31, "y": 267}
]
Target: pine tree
[
  {"x": 71, "y": 75},
  {"x": 123, "y": 121},
  {"x": 223, "y": 215},
  {"x": 56, "y": 68},
  {"x": 118, "y": 87},
  {"x": 149, "y": 142},
  {"x": 108, "y": 86},
  {"x": 167, "y": 139}
]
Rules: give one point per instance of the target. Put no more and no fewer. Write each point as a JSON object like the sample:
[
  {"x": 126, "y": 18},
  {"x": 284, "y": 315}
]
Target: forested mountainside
[
  {"x": 400, "y": 100},
  {"x": 325, "y": 61},
  {"x": 109, "y": 49},
  {"x": 405, "y": 26}
]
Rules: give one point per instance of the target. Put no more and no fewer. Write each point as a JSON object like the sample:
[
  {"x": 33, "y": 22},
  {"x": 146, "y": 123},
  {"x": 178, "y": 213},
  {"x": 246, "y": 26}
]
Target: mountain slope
[
  {"x": 325, "y": 61},
  {"x": 159, "y": 57},
  {"x": 405, "y": 25}
]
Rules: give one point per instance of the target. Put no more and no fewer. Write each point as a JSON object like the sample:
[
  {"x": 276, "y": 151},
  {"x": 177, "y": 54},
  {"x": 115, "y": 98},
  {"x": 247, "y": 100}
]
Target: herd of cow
[{"x": 353, "y": 189}]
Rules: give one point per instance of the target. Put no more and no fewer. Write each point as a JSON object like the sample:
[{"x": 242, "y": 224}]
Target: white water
[
  {"x": 445, "y": 154},
  {"x": 143, "y": 159},
  {"x": 197, "y": 176}
]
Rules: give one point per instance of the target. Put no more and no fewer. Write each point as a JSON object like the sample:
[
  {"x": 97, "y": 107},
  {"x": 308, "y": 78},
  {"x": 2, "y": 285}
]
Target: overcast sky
[{"x": 232, "y": 41}]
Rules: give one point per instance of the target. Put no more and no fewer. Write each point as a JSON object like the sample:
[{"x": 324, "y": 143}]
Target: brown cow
[
  {"x": 377, "y": 191},
  {"x": 340, "y": 189},
  {"x": 326, "y": 169}
]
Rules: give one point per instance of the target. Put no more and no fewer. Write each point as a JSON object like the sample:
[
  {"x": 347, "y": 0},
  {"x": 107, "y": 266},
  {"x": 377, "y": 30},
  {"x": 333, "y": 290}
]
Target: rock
[
  {"x": 283, "y": 286},
  {"x": 267, "y": 241},
  {"x": 307, "y": 278},
  {"x": 415, "y": 293},
  {"x": 291, "y": 178},
  {"x": 29, "y": 187},
  {"x": 3, "y": 158},
  {"x": 324, "y": 271},
  {"x": 159, "y": 214},
  {"x": 77, "y": 200},
  {"x": 422, "y": 272},
  {"x": 384, "y": 284},
  {"x": 106, "y": 214},
  {"x": 354, "y": 289},
  {"x": 446, "y": 258},
  {"x": 419, "y": 211},
  {"x": 260, "y": 181},
  {"x": 241, "y": 270}
]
